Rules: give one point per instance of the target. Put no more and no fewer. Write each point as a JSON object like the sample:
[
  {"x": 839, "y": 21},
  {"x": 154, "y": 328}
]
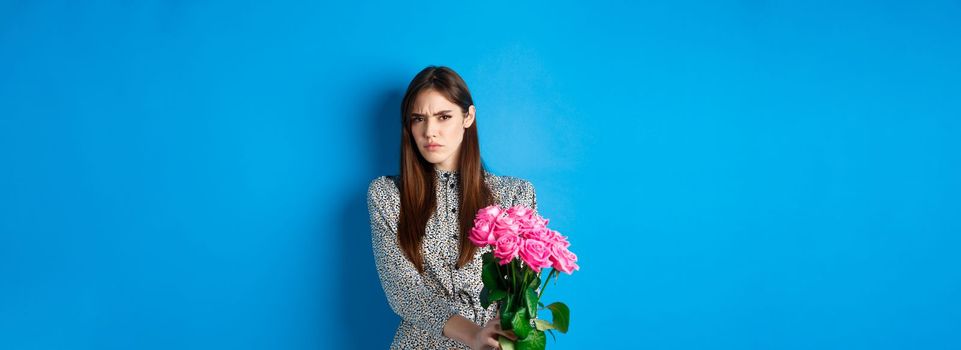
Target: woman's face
[{"x": 438, "y": 127}]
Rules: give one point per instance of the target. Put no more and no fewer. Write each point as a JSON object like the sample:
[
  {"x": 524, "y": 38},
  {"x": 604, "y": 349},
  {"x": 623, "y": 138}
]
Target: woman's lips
[{"x": 433, "y": 147}]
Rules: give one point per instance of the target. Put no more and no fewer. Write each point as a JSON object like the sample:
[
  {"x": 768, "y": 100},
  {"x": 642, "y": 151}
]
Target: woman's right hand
[{"x": 486, "y": 337}]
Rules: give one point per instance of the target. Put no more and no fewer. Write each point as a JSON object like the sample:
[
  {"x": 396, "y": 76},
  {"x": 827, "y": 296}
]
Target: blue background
[{"x": 741, "y": 175}]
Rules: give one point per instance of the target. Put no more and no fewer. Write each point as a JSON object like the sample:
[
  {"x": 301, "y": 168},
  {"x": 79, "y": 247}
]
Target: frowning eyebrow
[{"x": 438, "y": 113}]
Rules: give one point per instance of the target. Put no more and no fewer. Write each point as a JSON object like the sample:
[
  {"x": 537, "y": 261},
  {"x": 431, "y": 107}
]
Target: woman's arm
[
  {"x": 461, "y": 329},
  {"x": 404, "y": 287},
  {"x": 467, "y": 332}
]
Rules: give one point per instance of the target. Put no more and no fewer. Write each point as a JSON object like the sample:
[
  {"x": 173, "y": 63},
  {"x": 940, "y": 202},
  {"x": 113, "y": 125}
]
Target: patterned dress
[{"x": 425, "y": 301}]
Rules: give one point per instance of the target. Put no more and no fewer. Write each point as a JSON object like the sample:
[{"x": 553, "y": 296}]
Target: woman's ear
[{"x": 470, "y": 117}]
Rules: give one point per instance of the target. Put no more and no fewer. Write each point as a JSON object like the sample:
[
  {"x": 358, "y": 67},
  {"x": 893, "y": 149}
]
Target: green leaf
[
  {"x": 497, "y": 294},
  {"x": 521, "y": 324},
  {"x": 507, "y": 313},
  {"x": 485, "y": 297},
  {"x": 490, "y": 275},
  {"x": 535, "y": 282},
  {"x": 530, "y": 301},
  {"x": 487, "y": 257},
  {"x": 534, "y": 341},
  {"x": 561, "y": 315},
  {"x": 508, "y": 304},
  {"x": 552, "y": 335},
  {"x": 506, "y": 318},
  {"x": 542, "y": 325},
  {"x": 488, "y": 296},
  {"x": 506, "y": 343}
]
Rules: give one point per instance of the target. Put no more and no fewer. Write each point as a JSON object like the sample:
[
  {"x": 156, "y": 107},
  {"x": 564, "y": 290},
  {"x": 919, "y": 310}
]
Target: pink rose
[
  {"x": 556, "y": 238},
  {"x": 507, "y": 248},
  {"x": 520, "y": 213},
  {"x": 538, "y": 221},
  {"x": 482, "y": 233},
  {"x": 526, "y": 219},
  {"x": 519, "y": 232},
  {"x": 542, "y": 234},
  {"x": 535, "y": 254},
  {"x": 489, "y": 213},
  {"x": 563, "y": 260},
  {"x": 505, "y": 225}
]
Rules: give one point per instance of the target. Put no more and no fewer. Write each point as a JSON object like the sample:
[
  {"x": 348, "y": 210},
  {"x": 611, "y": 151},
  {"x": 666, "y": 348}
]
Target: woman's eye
[
  {"x": 445, "y": 117},
  {"x": 416, "y": 119}
]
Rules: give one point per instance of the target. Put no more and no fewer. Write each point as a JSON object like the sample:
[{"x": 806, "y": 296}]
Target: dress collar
[
  {"x": 453, "y": 174},
  {"x": 446, "y": 174}
]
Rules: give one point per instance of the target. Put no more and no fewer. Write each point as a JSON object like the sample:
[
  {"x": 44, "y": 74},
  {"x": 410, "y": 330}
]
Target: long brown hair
[{"x": 417, "y": 181}]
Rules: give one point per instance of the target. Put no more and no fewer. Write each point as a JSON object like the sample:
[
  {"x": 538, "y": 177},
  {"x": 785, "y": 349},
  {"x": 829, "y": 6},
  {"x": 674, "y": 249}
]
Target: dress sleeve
[{"x": 406, "y": 292}]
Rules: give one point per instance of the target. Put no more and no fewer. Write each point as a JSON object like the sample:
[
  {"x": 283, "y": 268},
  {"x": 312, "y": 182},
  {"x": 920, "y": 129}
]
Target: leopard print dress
[{"x": 425, "y": 301}]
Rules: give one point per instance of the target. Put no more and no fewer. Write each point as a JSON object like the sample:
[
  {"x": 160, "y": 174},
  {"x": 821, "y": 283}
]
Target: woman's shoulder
[
  {"x": 383, "y": 183},
  {"x": 511, "y": 190},
  {"x": 383, "y": 189},
  {"x": 504, "y": 182}
]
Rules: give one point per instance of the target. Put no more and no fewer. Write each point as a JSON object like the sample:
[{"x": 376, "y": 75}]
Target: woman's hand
[{"x": 486, "y": 337}]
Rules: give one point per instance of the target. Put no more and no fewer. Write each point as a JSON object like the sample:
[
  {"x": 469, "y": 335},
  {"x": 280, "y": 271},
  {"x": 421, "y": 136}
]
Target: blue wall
[{"x": 750, "y": 175}]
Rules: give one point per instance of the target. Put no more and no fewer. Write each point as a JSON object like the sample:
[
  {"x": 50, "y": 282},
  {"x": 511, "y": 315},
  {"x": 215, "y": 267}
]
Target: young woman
[{"x": 421, "y": 219}]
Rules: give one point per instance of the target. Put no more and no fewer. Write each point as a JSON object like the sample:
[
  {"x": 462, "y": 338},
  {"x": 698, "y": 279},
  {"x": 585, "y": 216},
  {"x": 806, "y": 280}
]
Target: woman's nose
[{"x": 431, "y": 129}]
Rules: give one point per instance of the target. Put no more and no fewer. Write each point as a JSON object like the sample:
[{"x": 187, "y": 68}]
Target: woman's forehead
[{"x": 431, "y": 101}]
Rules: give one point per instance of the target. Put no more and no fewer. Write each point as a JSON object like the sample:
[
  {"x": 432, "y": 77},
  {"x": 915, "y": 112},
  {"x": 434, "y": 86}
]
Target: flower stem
[
  {"x": 546, "y": 281},
  {"x": 519, "y": 280},
  {"x": 513, "y": 283},
  {"x": 527, "y": 279}
]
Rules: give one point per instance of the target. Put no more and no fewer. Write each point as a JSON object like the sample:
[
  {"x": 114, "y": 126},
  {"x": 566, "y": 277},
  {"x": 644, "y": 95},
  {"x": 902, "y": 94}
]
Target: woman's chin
[{"x": 433, "y": 158}]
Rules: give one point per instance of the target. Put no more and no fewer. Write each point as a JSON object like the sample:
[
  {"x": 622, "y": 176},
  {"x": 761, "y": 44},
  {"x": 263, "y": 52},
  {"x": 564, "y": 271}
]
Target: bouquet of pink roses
[{"x": 522, "y": 247}]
